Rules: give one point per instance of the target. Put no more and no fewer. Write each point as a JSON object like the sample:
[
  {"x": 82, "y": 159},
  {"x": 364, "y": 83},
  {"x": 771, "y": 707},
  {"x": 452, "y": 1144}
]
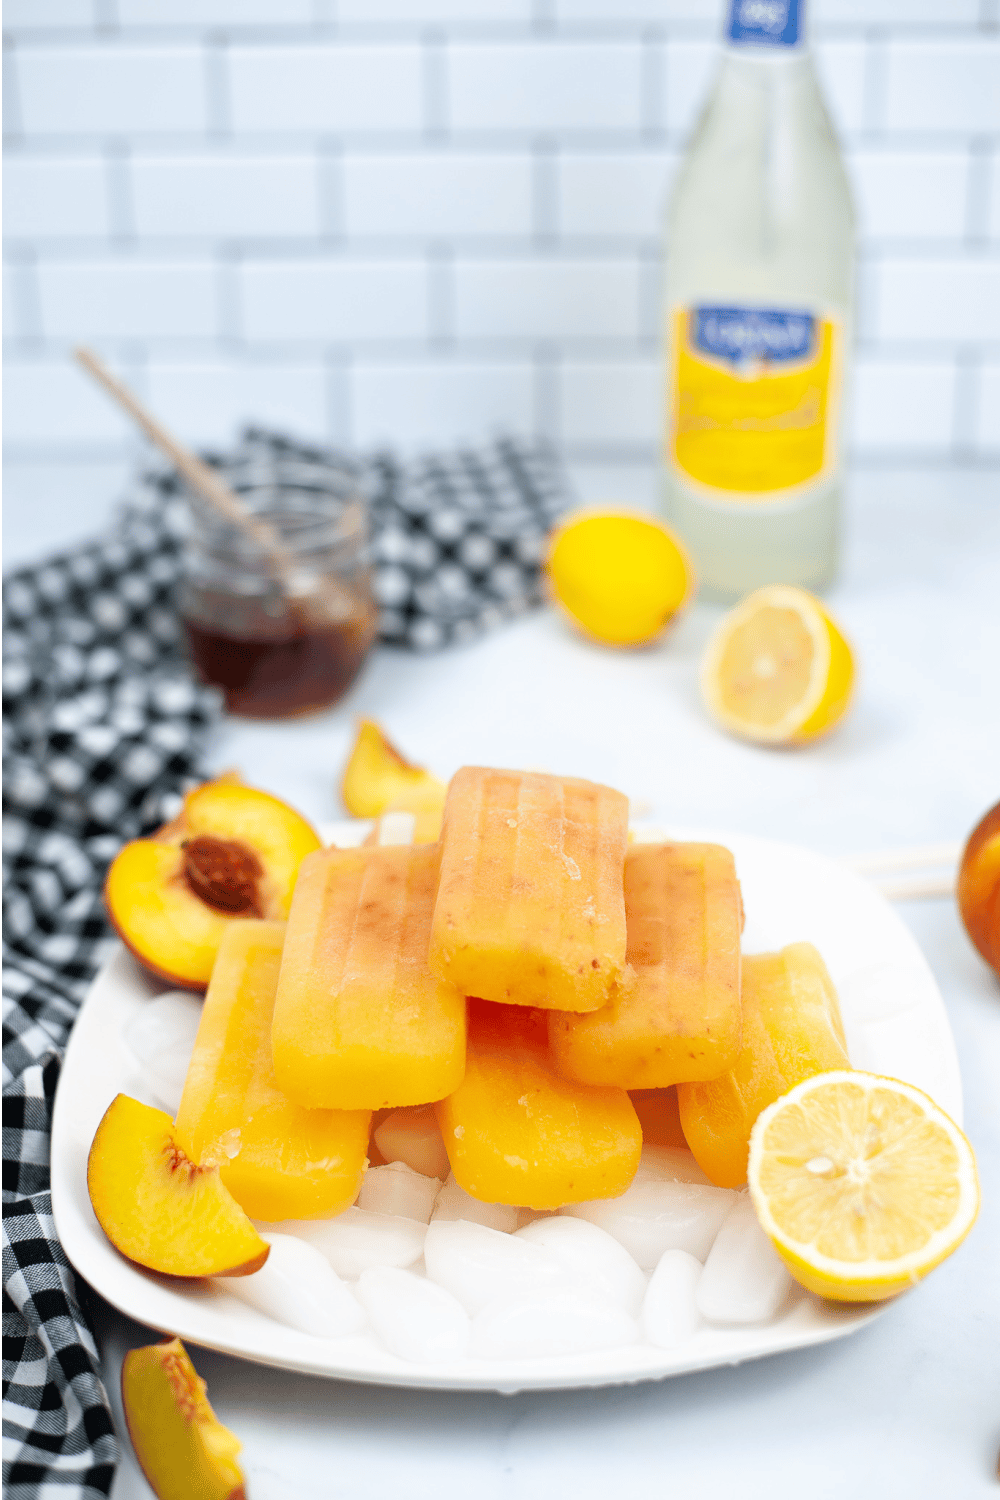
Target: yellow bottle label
[{"x": 753, "y": 394}]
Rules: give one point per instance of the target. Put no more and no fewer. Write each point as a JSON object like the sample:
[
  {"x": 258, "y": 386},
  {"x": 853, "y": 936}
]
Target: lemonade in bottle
[{"x": 760, "y": 241}]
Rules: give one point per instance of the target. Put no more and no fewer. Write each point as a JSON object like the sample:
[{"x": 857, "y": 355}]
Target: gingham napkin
[{"x": 104, "y": 728}]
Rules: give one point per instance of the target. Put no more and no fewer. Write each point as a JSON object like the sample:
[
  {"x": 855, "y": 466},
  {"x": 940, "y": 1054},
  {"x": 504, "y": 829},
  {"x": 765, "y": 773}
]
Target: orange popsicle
[
  {"x": 278, "y": 1160},
  {"x": 681, "y": 1019},
  {"x": 359, "y": 1021},
  {"x": 515, "y": 1132},
  {"x": 791, "y": 1030},
  {"x": 530, "y": 907}
]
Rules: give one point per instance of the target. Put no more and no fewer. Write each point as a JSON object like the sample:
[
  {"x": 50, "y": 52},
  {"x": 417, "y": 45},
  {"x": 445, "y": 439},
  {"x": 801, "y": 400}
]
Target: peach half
[
  {"x": 182, "y": 1447},
  {"x": 233, "y": 851},
  {"x": 158, "y": 1207},
  {"x": 979, "y": 887},
  {"x": 378, "y": 779}
]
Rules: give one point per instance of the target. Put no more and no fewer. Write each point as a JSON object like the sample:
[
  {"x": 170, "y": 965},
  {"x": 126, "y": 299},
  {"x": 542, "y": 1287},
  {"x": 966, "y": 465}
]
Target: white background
[{"x": 420, "y": 220}]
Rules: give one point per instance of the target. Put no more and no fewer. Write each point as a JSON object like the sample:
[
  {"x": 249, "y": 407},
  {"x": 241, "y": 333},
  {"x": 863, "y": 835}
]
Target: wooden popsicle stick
[
  {"x": 923, "y": 857},
  {"x": 202, "y": 478},
  {"x": 917, "y": 888}
]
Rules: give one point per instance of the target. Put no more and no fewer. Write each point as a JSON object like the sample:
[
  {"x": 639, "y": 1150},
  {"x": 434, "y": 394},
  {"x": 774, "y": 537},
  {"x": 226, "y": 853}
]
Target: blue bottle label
[
  {"x": 764, "y": 23},
  {"x": 745, "y": 335}
]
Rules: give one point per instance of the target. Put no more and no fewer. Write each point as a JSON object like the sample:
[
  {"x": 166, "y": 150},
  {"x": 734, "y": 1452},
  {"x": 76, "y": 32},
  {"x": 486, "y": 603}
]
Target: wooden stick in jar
[{"x": 201, "y": 477}]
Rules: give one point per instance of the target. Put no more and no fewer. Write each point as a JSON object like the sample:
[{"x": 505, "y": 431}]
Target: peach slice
[
  {"x": 160, "y": 1209},
  {"x": 378, "y": 779},
  {"x": 182, "y": 1447},
  {"x": 233, "y": 851},
  {"x": 979, "y": 887}
]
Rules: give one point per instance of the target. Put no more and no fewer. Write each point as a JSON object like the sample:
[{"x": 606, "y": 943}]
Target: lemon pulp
[{"x": 778, "y": 669}]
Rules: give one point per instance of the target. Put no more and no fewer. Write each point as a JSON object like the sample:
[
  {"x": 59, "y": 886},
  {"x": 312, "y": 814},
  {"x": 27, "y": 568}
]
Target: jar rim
[{"x": 301, "y": 526}]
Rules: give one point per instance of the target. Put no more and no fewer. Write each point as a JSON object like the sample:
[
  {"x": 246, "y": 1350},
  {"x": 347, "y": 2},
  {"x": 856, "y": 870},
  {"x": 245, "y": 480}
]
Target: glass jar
[{"x": 281, "y": 615}]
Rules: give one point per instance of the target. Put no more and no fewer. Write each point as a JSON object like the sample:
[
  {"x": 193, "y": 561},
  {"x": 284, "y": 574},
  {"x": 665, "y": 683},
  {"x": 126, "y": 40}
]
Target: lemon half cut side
[
  {"x": 778, "y": 670},
  {"x": 862, "y": 1183}
]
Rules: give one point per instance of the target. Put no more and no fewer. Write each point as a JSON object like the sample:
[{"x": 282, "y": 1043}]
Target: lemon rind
[
  {"x": 812, "y": 615},
  {"x": 864, "y": 1276}
]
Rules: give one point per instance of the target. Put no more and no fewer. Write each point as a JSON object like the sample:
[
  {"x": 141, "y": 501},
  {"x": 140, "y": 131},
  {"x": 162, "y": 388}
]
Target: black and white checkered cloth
[
  {"x": 104, "y": 728},
  {"x": 458, "y": 539}
]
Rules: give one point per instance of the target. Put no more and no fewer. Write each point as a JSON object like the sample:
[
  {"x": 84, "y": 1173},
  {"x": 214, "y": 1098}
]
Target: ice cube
[
  {"x": 415, "y": 1319},
  {"x": 160, "y": 1037},
  {"x": 669, "y": 1164},
  {"x": 670, "y": 1314},
  {"x": 412, "y": 1135},
  {"x": 395, "y": 828},
  {"x": 297, "y": 1286},
  {"x": 478, "y": 1265},
  {"x": 357, "y": 1239},
  {"x": 592, "y": 1260},
  {"x": 455, "y": 1203},
  {"x": 397, "y": 1190},
  {"x": 744, "y": 1280},
  {"x": 653, "y": 1216},
  {"x": 549, "y": 1322}
]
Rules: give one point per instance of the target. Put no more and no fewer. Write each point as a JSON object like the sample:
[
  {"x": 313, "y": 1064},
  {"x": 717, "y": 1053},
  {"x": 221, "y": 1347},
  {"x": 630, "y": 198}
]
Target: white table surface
[{"x": 909, "y": 1406}]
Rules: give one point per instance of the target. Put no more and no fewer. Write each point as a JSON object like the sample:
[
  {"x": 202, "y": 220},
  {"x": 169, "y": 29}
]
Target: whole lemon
[{"x": 620, "y": 575}]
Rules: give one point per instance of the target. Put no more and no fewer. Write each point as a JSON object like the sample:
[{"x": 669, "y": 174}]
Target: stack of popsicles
[{"x": 554, "y": 993}]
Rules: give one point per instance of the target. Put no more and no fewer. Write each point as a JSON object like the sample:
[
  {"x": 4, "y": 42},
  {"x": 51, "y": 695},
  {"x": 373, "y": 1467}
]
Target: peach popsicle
[
  {"x": 681, "y": 1020},
  {"x": 359, "y": 1021},
  {"x": 515, "y": 1132},
  {"x": 278, "y": 1160},
  {"x": 791, "y": 1030},
  {"x": 530, "y": 907}
]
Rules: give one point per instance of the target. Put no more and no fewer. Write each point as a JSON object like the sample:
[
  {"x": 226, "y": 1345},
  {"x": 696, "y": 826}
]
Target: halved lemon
[
  {"x": 862, "y": 1183},
  {"x": 778, "y": 670}
]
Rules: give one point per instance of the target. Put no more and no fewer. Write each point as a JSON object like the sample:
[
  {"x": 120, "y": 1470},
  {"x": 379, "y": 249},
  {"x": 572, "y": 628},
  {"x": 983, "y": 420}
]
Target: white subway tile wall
[{"x": 420, "y": 221}]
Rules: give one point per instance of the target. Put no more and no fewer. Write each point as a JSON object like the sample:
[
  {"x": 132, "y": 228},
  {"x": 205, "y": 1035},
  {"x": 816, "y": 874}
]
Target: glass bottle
[{"x": 760, "y": 257}]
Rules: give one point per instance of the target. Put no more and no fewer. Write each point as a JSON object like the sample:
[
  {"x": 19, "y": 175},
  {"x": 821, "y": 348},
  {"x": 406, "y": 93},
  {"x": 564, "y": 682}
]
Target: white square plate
[{"x": 895, "y": 1022}]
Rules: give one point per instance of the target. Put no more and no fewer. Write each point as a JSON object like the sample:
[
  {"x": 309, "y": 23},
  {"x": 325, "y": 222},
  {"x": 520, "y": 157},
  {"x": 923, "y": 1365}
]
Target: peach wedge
[
  {"x": 378, "y": 779},
  {"x": 160, "y": 1209},
  {"x": 233, "y": 851},
  {"x": 182, "y": 1447}
]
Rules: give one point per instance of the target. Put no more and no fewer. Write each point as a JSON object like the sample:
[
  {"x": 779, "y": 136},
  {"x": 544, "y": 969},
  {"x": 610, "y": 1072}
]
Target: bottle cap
[{"x": 764, "y": 23}]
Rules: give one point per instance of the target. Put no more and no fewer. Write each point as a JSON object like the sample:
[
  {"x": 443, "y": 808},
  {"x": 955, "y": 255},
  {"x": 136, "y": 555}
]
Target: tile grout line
[
  {"x": 436, "y": 84},
  {"x": 217, "y": 102},
  {"x": 13, "y": 116},
  {"x": 875, "y": 81},
  {"x": 330, "y": 190},
  {"x": 965, "y": 411},
  {"x": 121, "y": 197},
  {"x": 441, "y": 294},
  {"x": 544, "y": 231},
  {"x": 977, "y": 199}
]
